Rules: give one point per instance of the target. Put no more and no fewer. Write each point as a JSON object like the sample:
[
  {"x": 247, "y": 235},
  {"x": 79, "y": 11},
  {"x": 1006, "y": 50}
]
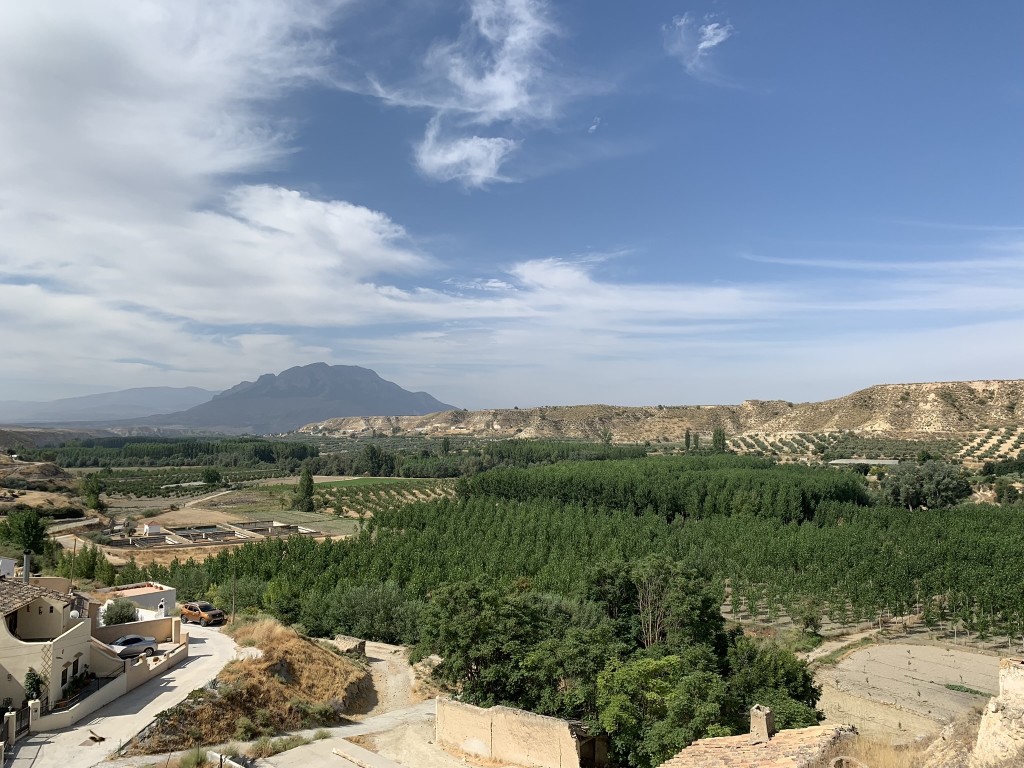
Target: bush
[
  {"x": 120, "y": 611},
  {"x": 34, "y": 683},
  {"x": 193, "y": 758}
]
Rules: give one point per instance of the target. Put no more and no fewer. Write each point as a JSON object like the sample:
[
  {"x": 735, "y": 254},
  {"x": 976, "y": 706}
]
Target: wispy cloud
[
  {"x": 693, "y": 42},
  {"x": 496, "y": 73},
  {"x": 475, "y": 161},
  {"x": 594, "y": 125},
  {"x": 128, "y": 240}
]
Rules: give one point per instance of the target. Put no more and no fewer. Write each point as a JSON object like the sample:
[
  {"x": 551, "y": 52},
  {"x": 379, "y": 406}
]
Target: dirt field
[
  {"x": 897, "y": 691},
  {"x": 395, "y": 681},
  {"x": 413, "y": 745}
]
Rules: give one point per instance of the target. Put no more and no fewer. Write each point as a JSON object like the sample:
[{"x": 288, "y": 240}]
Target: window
[
  {"x": 74, "y": 669},
  {"x": 51, "y": 609},
  {"x": 64, "y": 677}
]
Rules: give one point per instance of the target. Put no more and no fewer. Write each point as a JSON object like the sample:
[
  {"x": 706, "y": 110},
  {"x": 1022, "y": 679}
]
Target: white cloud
[
  {"x": 495, "y": 72},
  {"x": 128, "y": 237},
  {"x": 594, "y": 125},
  {"x": 692, "y": 43},
  {"x": 474, "y": 161}
]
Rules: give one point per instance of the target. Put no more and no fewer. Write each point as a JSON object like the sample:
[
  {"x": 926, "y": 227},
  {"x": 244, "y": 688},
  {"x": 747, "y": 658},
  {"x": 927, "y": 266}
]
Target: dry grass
[
  {"x": 878, "y": 754},
  {"x": 295, "y": 684}
]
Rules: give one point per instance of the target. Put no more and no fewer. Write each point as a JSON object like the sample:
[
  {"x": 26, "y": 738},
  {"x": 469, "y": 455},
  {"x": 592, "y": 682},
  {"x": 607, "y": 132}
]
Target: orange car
[{"x": 202, "y": 613}]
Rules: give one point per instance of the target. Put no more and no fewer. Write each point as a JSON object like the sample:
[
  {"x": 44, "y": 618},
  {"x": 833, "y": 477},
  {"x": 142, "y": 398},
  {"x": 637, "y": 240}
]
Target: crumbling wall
[
  {"x": 1000, "y": 740},
  {"x": 508, "y": 735}
]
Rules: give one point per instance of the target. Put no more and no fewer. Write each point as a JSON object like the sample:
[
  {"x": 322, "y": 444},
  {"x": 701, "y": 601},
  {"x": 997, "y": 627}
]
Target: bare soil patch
[
  {"x": 897, "y": 692},
  {"x": 413, "y": 745}
]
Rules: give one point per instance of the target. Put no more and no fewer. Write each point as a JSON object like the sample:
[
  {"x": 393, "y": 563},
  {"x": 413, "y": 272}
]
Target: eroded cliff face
[
  {"x": 894, "y": 409},
  {"x": 1000, "y": 736}
]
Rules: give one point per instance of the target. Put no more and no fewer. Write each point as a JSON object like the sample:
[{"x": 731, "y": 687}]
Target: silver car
[{"x": 130, "y": 646}]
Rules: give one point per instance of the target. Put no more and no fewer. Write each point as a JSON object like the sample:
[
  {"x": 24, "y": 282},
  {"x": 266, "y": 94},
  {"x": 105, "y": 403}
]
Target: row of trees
[
  {"x": 684, "y": 486},
  {"x": 153, "y": 451}
]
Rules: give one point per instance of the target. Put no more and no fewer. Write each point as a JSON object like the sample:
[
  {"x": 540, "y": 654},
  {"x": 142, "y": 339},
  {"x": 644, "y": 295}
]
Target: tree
[
  {"x": 211, "y": 476},
  {"x": 765, "y": 673},
  {"x": 932, "y": 484},
  {"x": 120, "y": 611},
  {"x": 446, "y": 445},
  {"x": 34, "y": 683},
  {"x": 1006, "y": 491},
  {"x": 303, "y": 499},
  {"x": 686, "y": 440},
  {"x": 653, "y": 707},
  {"x": 24, "y": 528},
  {"x": 718, "y": 440},
  {"x": 92, "y": 487}
]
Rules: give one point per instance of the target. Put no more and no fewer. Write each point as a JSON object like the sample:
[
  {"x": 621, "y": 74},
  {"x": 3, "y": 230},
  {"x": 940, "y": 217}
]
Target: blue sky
[{"x": 512, "y": 202}]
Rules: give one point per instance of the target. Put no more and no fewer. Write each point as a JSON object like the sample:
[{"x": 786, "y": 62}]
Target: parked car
[
  {"x": 130, "y": 646},
  {"x": 202, "y": 614}
]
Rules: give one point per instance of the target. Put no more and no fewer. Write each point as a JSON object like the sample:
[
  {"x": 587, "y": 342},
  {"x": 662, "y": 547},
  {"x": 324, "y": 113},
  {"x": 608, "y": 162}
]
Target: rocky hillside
[
  {"x": 949, "y": 408},
  {"x": 282, "y": 402}
]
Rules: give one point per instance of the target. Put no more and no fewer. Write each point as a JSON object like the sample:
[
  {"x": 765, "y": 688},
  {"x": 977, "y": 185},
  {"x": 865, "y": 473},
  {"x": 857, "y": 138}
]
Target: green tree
[
  {"x": 92, "y": 487},
  {"x": 686, "y": 440},
  {"x": 446, "y": 445},
  {"x": 25, "y": 529},
  {"x": 1006, "y": 491},
  {"x": 211, "y": 476},
  {"x": 105, "y": 571},
  {"x": 718, "y": 440},
  {"x": 120, "y": 611},
  {"x": 653, "y": 707},
  {"x": 303, "y": 499},
  {"x": 765, "y": 673},
  {"x": 932, "y": 484},
  {"x": 34, "y": 684}
]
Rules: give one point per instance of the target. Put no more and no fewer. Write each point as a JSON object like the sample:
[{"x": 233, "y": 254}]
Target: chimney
[
  {"x": 27, "y": 563},
  {"x": 762, "y": 724}
]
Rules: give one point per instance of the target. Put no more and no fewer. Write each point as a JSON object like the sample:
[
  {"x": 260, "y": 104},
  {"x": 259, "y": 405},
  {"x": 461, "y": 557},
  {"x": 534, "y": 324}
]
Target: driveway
[{"x": 117, "y": 722}]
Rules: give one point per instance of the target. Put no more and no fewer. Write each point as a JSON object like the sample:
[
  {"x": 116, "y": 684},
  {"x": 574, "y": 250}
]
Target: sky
[{"x": 512, "y": 202}]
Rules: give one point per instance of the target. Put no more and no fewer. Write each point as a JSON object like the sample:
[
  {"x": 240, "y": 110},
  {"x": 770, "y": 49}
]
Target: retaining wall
[
  {"x": 166, "y": 630},
  {"x": 512, "y": 736}
]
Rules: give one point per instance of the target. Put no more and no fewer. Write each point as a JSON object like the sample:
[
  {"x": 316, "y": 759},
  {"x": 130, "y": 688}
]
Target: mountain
[
  {"x": 106, "y": 406},
  {"x": 286, "y": 401},
  {"x": 958, "y": 409}
]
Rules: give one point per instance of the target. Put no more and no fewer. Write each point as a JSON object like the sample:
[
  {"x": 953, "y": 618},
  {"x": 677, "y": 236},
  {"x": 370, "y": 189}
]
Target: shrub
[
  {"x": 120, "y": 611},
  {"x": 34, "y": 683},
  {"x": 193, "y": 758}
]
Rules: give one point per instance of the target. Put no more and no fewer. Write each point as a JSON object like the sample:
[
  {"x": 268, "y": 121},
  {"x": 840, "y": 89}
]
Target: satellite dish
[{"x": 75, "y": 614}]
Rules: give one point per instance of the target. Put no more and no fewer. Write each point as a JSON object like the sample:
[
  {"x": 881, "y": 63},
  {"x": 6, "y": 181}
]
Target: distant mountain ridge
[
  {"x": 297, "y": 396},
  {"x": 105, "y": 406},
  {"x": 960, "y": 407}
]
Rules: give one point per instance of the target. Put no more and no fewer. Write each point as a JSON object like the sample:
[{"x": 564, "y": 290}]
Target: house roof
[
  {"x": 18, "y": 594},
  {"x": 796, "y": 748}
]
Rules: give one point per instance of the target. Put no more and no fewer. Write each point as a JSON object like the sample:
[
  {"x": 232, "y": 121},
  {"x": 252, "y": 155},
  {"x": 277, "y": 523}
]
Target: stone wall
[
  {"x": 1011, "y": 678},
  {"x": 512, "y": 736}
]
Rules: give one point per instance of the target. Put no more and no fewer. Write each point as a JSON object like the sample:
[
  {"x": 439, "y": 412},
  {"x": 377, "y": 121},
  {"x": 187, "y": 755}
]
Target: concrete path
[
  {"x": 117, "y": 722},
  {"x": 321, "y": 754}
]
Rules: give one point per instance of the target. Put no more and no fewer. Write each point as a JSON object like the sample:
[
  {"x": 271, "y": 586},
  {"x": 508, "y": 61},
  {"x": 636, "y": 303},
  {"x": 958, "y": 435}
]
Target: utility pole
[{"x": 74, "y": 550}]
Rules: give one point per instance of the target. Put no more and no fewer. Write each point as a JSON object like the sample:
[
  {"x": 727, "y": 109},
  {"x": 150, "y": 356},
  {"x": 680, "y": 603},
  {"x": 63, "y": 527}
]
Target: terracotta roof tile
[
  {"x": 18, "y": 594},
  {"x": 795, "y": 748}
]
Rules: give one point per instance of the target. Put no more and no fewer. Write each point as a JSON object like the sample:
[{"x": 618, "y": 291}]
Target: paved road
[{"x": 117, "y": 722}]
